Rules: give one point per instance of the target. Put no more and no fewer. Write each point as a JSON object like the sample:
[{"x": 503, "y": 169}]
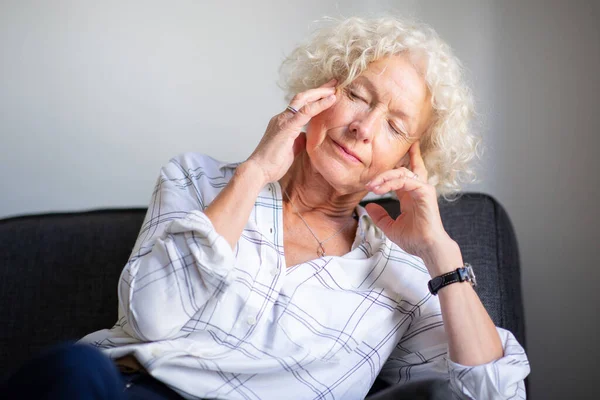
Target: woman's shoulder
[
  {"x": 192, "y": 163},
  {"x": 197, "y": 167},
  {"x": 196, "y": 177}
]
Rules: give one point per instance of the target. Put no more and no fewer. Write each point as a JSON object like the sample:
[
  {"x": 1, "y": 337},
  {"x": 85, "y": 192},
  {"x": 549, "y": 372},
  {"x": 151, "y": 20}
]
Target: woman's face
[{"x": 371, "y": 126}]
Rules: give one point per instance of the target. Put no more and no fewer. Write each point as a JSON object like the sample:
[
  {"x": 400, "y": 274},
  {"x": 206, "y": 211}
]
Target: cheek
[
  {"x": 319, "y": 125},
  {"x": 390, "y": 153}
]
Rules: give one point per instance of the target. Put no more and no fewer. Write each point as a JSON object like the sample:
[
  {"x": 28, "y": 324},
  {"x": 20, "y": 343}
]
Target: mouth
[{"x": 346, "y": 153}]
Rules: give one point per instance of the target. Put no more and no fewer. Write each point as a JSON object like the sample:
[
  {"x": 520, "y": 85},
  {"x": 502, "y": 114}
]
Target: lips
[{"x": 348, "y": 152}]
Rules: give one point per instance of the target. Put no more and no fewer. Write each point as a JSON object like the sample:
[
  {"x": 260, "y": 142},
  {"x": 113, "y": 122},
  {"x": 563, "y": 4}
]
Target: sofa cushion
[{"x": 58, "y": 277}]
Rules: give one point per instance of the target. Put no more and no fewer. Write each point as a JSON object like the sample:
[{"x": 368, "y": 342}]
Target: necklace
[{"x": 320, "y": 248}]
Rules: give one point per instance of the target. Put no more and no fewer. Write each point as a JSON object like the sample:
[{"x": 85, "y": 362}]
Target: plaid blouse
[{"x": 212, "y": 322}]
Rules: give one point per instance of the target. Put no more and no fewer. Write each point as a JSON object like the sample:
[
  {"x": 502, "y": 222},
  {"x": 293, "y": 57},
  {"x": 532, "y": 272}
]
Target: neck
[{"x": 312, "y": 194}]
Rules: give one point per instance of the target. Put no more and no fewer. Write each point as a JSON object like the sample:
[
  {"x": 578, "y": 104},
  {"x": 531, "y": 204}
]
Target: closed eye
[
  {"x": 397, "y": 131},
  {"x": 353, "y": 96}
]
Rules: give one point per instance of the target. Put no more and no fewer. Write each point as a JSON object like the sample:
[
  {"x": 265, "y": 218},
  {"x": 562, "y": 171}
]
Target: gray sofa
[{"x": 59, "y": 272}]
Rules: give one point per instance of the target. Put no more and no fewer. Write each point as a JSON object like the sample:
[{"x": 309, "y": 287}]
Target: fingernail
[{"x": 368, "y": 183}]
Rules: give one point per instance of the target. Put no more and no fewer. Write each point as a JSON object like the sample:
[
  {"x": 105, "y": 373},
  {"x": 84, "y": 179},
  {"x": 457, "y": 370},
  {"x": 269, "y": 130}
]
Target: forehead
[
  {"x": 398, "y": 82},
  {"x": 396, "y": 76}
]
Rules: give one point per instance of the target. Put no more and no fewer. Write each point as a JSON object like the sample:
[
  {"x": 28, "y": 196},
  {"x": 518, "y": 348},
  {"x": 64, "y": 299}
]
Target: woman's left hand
[{"x": 418, "y": 229}]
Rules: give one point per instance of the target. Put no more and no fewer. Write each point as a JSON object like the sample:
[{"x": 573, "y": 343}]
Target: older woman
[{"x": 266, "y": 279}]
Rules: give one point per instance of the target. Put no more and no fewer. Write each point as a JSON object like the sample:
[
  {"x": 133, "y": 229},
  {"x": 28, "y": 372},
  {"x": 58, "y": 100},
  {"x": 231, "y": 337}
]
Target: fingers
[
  {"x": 302, "y": 99},
  {"x": 417, "y": 165},
  {"x": 303, "y": 107},
  {"x": 395, "y": 179},
  {"x": 311, "y": 109},
  {"x": 380, "y": 216},
  {"x": 331, "y": 83}
]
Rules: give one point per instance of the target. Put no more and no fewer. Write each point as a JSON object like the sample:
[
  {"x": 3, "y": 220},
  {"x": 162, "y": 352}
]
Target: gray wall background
[{"x": 96, "y": 96}]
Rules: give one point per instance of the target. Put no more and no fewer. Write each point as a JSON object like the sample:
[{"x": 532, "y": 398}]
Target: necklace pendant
[{"x": 320, "y": 250}]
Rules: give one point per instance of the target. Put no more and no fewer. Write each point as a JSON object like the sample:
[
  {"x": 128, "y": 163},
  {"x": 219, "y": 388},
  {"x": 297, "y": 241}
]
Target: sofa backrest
[{"x": 59, "y": 272}]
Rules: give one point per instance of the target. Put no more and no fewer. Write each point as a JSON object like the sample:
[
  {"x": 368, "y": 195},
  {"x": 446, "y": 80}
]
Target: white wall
[
  {"x": 546, "y": 131},
  {"x": 96, "y": 96}
]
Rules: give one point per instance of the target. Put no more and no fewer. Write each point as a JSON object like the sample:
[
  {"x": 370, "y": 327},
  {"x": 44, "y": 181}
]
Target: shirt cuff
[{"x": 499, "y": 379}]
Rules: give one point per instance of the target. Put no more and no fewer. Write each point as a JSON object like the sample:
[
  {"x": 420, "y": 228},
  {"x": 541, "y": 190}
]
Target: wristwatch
[{"x": 463, "y": 274}]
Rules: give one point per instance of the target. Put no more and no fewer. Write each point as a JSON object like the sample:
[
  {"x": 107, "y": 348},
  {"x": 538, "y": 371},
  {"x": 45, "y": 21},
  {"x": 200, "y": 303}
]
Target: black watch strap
[{"x": 464, "y": 274}]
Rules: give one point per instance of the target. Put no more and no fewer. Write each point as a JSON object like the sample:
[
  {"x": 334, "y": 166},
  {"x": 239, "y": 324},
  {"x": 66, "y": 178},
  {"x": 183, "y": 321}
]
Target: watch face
[{"x": 471, "y": 274}]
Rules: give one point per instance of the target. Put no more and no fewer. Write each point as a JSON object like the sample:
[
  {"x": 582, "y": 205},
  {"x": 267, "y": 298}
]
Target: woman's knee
[
  {"x": 79, "y": 355},
  {"x": 72, "y": 359}
]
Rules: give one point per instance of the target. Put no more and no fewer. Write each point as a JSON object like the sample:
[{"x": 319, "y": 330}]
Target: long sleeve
[
  {"x": 179, "y": 261},
  {"x": 500, "y": 379},
  {"x": 422, "y": 353}
]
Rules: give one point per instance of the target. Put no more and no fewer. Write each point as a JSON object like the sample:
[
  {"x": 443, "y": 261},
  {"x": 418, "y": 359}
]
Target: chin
[{"x": 342, "y": 179}]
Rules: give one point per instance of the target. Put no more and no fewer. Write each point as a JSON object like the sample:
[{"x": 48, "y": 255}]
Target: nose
[{"x": 364, "y": 126}]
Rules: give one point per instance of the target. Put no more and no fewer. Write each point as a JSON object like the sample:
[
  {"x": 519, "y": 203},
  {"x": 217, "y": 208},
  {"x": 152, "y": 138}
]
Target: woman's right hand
[{"x": 284, "y": 138}]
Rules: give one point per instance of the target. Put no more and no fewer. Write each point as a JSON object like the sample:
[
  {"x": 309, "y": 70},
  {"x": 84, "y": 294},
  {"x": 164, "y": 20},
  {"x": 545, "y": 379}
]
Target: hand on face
[
  {"x": 283, "y": 138},
  {"x": 419, "y": 228}
]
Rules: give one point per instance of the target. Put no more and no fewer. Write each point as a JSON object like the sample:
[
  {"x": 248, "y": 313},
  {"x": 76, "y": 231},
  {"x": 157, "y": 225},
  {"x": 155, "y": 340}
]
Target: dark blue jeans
[{"x": 78, "y": 371}]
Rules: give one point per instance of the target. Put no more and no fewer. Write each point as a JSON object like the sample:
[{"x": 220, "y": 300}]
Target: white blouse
[{"x": 212, "y": 322}]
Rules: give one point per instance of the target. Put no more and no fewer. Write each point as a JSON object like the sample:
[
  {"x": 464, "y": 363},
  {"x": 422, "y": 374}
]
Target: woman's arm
[
  {"x": 270, "y": 160},
  {"x": 452, "y": 338},
  {"x": 475, "y": 347},
  {"x": 179, "y": 261},
  {"x": 422, "y": 354},
  {"x": 472, "y": 336},
  {"x": 183, "y": 256},
  {"x": 231, "y": 208}
]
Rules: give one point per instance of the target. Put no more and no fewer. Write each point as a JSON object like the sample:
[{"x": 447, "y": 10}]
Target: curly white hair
[{"x": 343, "y": 49}]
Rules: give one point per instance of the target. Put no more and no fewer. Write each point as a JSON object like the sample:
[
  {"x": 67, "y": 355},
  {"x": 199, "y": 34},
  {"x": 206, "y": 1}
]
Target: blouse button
[{"x": 251, "y": 320}]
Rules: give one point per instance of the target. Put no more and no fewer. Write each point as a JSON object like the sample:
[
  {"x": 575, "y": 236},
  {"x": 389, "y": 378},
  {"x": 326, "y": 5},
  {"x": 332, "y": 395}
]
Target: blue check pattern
[{"x": 212, "y": 322}]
